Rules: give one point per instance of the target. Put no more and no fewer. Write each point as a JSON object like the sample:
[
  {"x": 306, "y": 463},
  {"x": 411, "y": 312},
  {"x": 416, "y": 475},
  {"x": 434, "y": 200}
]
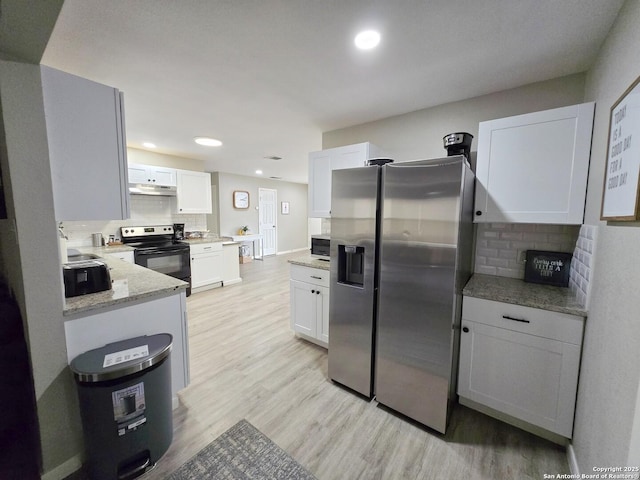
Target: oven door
[{"x": 174, "y": 262}]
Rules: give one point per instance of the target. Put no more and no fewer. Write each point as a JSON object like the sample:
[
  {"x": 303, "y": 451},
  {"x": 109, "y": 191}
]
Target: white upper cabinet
[
  {"x": 152, "y": 175},
  {"x": 533, "y": 168},
  {"x": 322, "y": 163},
  {"x": 87, "y": 147},
  {"x": 193, "y": 192}
]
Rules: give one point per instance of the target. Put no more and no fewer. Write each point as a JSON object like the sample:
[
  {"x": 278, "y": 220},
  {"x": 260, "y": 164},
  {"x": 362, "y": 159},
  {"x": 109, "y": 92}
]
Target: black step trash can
[{"x": 124, "y": 390}]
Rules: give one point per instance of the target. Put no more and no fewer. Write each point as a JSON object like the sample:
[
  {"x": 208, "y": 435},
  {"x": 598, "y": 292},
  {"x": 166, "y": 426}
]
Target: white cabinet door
[
  {"x": 322, "y": 312},
  {"x": 533, "y": 168},
  {"x": 87, "y": 147},
  {"x": 152, "y": 175},
  {"x": 509, "y": 364},
  {"x": 139, "y": 174},
  {"x": 310, "y": 303},
  {"x": 320, "y": 184},
  {"x": 304, "y": 306},
  {"x": 322, "y": 163},
  {"x": 166, "y": 177},
  {"x": 193, "y": 192},
  {"x": 230, "y": 264},
  {"x": 206, "y": 269}
]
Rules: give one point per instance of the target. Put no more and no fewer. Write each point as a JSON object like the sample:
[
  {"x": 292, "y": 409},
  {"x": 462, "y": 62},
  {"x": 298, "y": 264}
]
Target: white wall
[
  {"x": 30, "y": 260},
  {"x": 292, "y": 228},
  {"x": 146, "y": 157},
  {"x": 419, "y": 134},
  {"x": 607, "y": 424}
]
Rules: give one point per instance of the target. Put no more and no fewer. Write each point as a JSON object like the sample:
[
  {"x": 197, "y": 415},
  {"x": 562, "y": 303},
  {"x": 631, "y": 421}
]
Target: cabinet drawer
[
  {"x": 205, "y": 247},
  {"x": 533, "y": 321},
  {"x": 314, "y": 276}
]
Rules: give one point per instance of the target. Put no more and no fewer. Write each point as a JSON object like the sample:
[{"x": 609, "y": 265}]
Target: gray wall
[
  {"x": 30, "y": 261},
  {"x": 607, "y": 424},
  {"x": 419, "y": 134},
  {"x": 292, "y": 228}
]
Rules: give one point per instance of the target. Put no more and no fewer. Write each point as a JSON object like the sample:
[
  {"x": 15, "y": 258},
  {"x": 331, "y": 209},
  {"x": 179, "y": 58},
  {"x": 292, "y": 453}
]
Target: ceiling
[{"x": 267, "y": 77}]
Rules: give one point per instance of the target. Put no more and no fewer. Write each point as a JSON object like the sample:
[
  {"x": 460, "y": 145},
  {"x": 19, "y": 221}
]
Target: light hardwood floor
[{"x": 247, "y": 363}]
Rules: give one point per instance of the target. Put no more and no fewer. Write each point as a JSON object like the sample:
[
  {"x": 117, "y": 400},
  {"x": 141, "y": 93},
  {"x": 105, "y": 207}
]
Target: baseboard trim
[
  {"x": 64, "y": 469},
  {"x": 284, "y": 252},
  {"x": 572, "y": 461}
]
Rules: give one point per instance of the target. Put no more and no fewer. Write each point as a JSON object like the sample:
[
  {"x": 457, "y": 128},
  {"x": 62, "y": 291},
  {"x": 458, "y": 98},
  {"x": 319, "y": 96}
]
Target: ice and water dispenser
[{"x": 351, "y": 265}]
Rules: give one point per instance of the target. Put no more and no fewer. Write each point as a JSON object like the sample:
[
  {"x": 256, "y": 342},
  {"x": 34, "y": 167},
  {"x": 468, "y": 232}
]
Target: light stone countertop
[
  {"x": 195, "y": 241},
  {"x": 309, "y": 261},
  {"x": 519, "y": 292},
  {"x": 130, "y": 282}
]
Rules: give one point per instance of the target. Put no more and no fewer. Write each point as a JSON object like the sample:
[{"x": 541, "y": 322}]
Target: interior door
[{"x": 267, "y": 218}]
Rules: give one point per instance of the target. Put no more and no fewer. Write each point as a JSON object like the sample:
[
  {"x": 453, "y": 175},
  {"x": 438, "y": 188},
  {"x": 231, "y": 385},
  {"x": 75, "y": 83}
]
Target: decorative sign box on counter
[{"x": 549, "y": 268}]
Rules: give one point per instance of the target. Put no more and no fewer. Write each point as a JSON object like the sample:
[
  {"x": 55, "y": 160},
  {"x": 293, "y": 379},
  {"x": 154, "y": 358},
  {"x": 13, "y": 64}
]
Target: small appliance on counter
[
  {"x": 320, "y": 247},
  {"x": 178, "y": 231},
  {"x": 89, "y": 276}
]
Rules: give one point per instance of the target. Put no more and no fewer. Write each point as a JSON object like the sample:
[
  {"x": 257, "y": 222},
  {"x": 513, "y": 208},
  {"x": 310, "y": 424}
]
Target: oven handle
[{"x": 153, "y": 252}]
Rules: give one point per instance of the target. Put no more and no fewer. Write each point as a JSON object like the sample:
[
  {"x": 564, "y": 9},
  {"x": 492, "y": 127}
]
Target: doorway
[{"x": 267, "y": 213}]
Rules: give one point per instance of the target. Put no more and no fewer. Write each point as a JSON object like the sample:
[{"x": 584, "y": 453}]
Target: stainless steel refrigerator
[{"x": 401, "y": 252}]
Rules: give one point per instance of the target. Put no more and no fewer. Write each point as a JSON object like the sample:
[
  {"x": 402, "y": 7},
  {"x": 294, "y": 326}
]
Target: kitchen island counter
[
  {"x": 130, "y": 283},
  {"x": 519, "y": 292},
  {"x": 196, "y": 241},
  {"x": 309, "y": 261}
]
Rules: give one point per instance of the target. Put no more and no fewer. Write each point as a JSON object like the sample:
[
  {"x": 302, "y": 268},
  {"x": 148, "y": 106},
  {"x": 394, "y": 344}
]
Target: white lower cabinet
[
  {"x": 521, "y": 362},
  {"x": 310, "y": 303},
  {"x": 206, "y": 265},
  {"x": 230, "y": 264},
  {"x": 160, "y": 315}
]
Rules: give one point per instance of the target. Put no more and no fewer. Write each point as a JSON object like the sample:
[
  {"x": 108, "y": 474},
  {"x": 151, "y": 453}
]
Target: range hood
[{"x": 139, "y": 189}]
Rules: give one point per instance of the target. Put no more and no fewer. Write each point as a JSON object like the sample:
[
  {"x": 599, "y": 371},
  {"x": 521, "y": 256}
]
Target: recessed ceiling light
[
  {"x": 367, "y": 40},
  {"x": 149, "y": 145},
  {"x": 259, "y": 172},
  {"x": 207, "y": 141}
]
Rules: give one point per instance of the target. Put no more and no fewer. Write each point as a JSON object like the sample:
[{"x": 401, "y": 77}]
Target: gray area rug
[{"x": 242, "y": 453}]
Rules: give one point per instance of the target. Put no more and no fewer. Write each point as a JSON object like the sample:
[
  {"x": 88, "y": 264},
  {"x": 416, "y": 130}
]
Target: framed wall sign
[
  {"x": 240, "y": 199},
  {"x": 285, "y": 208},
  {"x": 620, "y": 193}
]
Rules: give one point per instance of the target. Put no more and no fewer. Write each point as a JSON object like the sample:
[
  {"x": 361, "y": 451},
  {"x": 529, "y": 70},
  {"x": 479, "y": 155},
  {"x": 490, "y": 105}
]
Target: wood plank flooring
[{"x": 247, "y": 363}]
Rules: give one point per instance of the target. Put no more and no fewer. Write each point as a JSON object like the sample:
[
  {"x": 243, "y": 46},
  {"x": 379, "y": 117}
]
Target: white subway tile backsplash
[
  {"x": 499, "y": 245},
  {"x": 511, "y": 235},
  {"x": 487, "y": 270},
  {"x": 145, "y": 210},
  {"x": 581, "y": 266},
  {"x": 497, "y": 262}
]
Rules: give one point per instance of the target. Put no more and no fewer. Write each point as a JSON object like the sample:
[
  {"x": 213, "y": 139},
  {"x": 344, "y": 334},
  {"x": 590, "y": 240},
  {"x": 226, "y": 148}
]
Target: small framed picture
[{"x": 285, "y": 208}]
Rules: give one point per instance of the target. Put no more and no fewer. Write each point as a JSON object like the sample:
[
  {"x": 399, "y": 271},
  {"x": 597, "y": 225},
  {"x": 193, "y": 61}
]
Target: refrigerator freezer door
[
  {"x": 352, "y": 288},
  {"x": 417, "y": 292}
]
